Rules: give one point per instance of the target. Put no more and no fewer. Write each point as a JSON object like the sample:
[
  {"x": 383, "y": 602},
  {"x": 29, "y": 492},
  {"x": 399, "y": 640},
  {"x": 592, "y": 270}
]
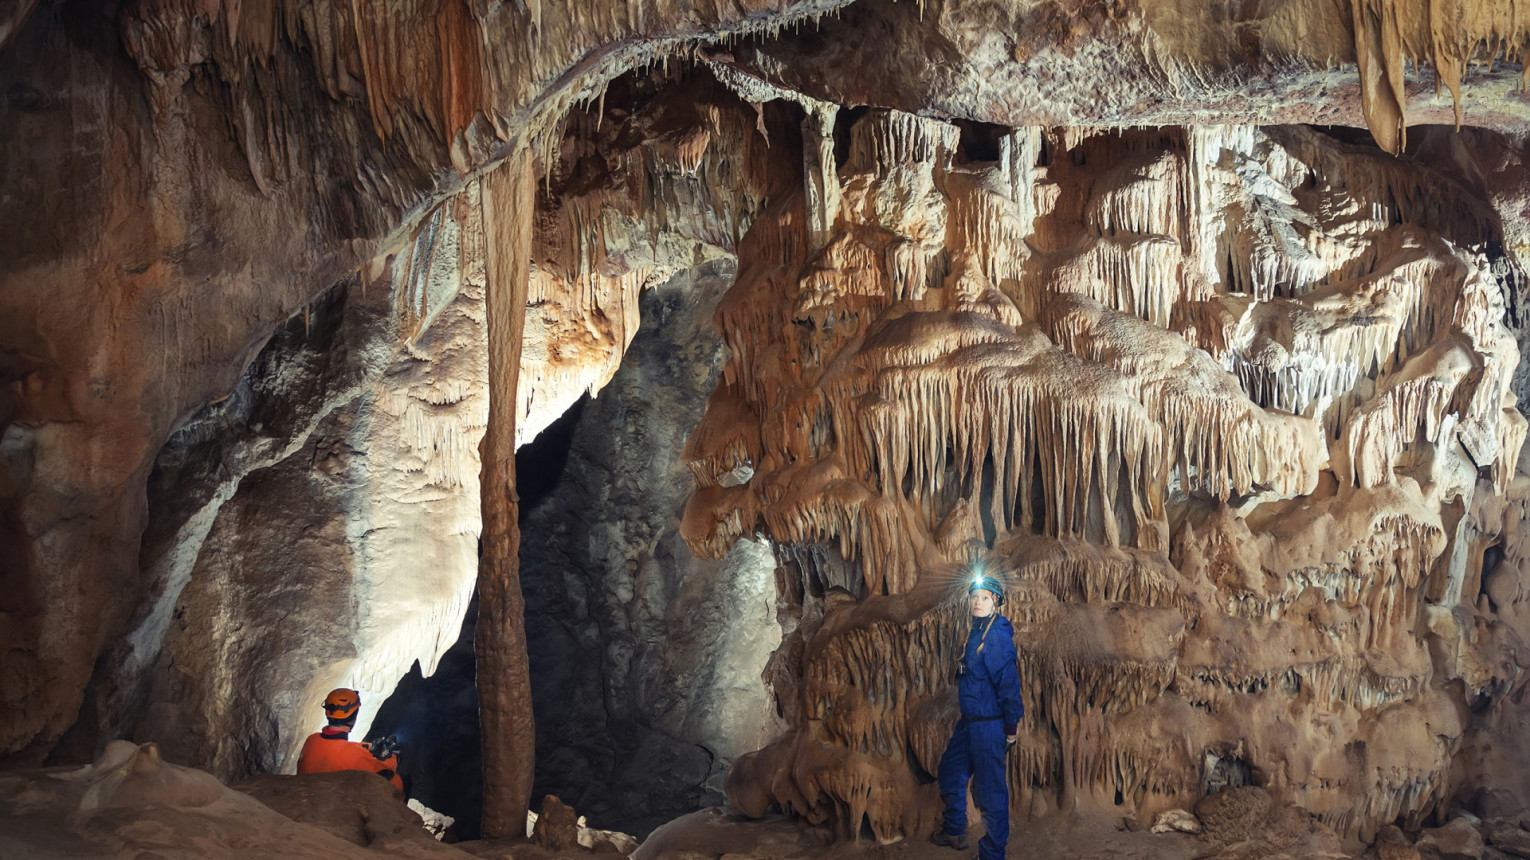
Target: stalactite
[
  {"x": 1019, "y": 152},
  {"x": 819, "y": 172},
  {"x": 1139, "y": 276},
  {"x": 989, "y": 223},
  {"x": 1075, "y": 571},
  {"x": 887, "y": 140},
  {"x": 1142, "y": 196},
  {"x": 1389, "y": 33}
]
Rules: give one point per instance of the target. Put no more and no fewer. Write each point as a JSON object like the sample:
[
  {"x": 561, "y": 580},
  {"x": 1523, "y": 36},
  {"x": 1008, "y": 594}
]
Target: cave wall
[
  {"x": 1229, "y": 410},
  {"x": 369, "y": 407},
  {"x": 188, "y": 181},
  {"x": 268, "y": 602},
  {"x": 646, "y": 661},
  {"x": 1122, "y": 63},
  {"x": 184, "y": 184}
]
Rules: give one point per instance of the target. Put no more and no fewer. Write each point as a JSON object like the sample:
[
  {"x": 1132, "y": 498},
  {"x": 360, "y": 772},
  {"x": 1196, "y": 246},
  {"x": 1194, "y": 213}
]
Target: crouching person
[{"x": 331, "y": 749}]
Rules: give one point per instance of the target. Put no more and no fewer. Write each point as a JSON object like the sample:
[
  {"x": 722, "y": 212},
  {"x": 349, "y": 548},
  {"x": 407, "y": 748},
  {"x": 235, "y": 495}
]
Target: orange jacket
[{"x": 324, "y": 753}]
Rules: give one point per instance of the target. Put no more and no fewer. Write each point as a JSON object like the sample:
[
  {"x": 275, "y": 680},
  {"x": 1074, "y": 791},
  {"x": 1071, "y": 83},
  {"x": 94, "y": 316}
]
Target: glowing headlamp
[{"x": 991, "y": 585}]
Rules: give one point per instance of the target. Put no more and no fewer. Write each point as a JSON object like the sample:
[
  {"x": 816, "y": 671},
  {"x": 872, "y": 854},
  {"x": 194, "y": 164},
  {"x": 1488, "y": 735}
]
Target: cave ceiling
[{"x": 1202, "y": 321}]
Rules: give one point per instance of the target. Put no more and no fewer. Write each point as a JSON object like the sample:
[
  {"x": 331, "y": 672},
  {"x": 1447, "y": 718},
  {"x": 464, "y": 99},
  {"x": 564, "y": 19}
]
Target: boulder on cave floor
[
  {"x": 558, "y": 828},
  {"x": 1392, "y": 844},
  {"x": 1245, "y": 822},
  {"x": 132, "y": 803},
  {"x": 362, "y": 808},
  {"x": 1458, "y": 839},
  {"x": 1507, "y": 837}
]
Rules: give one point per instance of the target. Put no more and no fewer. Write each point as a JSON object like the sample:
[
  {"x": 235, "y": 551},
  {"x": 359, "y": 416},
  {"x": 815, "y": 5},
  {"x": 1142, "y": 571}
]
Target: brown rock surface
[
  {"x": 1236, "y": 814},
  {"x": 1392, "y": 844},
  {"x": 1233, "y": 407},
  {"x": 1508, "y": 837},
  {"x": 361, "y": 808},
  {"x": 131, "y": 803},
  {"x": 157, "y": 167},
  {"x": 557, "y": 827},
  {"x": 1456, "y": 840},
  {"x": 917, "y": 394}
]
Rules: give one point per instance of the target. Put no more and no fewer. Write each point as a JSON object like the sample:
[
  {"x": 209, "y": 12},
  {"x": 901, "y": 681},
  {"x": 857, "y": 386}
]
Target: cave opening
[
  {"x": 607, "y": 466},
  {"x": 435, "y": 718},
  {"x": 980, "y": 142},
  {"x": 844, "y": 120}
]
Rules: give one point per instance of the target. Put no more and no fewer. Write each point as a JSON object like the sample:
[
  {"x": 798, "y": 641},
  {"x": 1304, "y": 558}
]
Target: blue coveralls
[{"x": 989, "y": 694}]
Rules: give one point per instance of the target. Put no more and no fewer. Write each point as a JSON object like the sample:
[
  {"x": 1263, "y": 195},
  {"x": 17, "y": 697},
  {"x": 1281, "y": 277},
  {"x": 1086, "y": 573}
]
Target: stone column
[
  {"x": 504, "y": 680},
  {"x": 820, "y": 172},
  {"x": 1018, "y": 151}
]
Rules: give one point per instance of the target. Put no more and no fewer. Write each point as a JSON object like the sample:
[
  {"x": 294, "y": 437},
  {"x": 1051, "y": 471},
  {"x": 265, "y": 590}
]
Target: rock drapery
[
  {"x": 189, "y": 180},
  {"x": 372, "y": 402},
  {"x": 1229, "y": 409},
  {"x": 635, "y": 712}
]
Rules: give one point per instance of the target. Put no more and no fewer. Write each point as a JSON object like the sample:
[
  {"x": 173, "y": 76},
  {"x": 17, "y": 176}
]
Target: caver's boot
[{"x": 942, "y": 838}]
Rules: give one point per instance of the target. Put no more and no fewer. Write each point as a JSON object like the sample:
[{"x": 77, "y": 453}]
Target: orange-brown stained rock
[
  {"x": 212, "y": 244},
  {"x": 1223, "y": 561}
]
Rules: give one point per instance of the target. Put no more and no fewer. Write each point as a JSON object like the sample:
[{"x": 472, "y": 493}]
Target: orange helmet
[{"x": 341, "y": 703}]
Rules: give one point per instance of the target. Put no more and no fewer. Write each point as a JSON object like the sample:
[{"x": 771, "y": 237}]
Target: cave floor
[
  {"x": 714, "y": 833},
  {"x": 131, "y": 804}
]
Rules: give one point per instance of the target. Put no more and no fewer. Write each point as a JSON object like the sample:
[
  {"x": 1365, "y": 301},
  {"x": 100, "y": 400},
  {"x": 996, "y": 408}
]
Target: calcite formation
[
  {"x": 187, "y": 179},
  {"x": 1231, "y": 407},
  {"x": 370, "y": 405},
  {"x": 645, "y": 661},
  {"x": 1165, "y": 62},
  {"x": 1228, "y": 410}
]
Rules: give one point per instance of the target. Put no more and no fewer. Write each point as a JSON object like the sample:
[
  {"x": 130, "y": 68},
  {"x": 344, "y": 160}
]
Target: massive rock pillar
[{"x": 504, "y": 681}]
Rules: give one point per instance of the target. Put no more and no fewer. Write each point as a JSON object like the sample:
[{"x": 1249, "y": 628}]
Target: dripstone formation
[
  {"x": 1229, "y": 409},
  {"x": 1159, "y": 310}
]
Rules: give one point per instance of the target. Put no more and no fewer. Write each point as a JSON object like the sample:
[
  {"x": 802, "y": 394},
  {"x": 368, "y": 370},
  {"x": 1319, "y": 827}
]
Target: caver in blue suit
[{"x": 988, "y": 689}]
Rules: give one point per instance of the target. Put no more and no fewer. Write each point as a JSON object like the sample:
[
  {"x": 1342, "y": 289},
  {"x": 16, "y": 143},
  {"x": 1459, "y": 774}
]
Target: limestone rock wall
[
  {"x": 319, "y": 527},
  {"x": 646, "y": 661},
  {"x": 1230, "y": 412},
  {"x": 1371, "y": 64},
  {"x": 184, "y": 181},
  {"x": 187, "y": 180}
]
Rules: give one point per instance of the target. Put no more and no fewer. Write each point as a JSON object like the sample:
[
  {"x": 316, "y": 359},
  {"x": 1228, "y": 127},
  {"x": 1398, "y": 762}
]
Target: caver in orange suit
[{"x": 330, "y": 749}]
